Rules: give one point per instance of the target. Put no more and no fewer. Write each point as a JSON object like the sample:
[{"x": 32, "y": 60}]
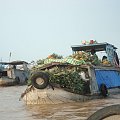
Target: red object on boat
[{"x": 91, "y": 41}]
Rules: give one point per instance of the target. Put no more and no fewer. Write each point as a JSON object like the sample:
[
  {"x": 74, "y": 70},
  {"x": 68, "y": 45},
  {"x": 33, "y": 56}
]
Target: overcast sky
[{"x": 33, "y": 29}]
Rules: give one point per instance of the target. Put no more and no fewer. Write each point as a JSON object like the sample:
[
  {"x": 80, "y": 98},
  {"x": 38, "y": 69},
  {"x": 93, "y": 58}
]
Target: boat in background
[{"x": 13, "y": 73}]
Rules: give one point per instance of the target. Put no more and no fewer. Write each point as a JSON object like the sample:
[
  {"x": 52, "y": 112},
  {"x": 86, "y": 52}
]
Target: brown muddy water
[{"x": 13, "y": 109}]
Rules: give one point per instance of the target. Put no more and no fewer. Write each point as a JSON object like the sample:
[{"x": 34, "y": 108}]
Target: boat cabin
[
  {"x": 102, "y": 77},
  {"x": 109, "y": 49}
]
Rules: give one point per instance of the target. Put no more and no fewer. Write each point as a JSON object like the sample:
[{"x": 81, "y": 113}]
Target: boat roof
[
  {"x": 14, "y": 63},
  {"x": 88, "y": 47}
]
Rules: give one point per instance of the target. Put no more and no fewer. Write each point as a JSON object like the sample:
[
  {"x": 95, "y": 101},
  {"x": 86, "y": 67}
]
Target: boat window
[{"x": 3, "y": 73}]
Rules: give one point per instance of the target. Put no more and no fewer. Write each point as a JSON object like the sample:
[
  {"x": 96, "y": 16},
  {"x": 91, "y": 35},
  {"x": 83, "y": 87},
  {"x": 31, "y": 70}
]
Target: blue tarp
[{"x": 110, "y": 78}]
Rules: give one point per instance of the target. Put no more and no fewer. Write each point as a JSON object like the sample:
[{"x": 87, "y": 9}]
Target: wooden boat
[
  {"x": 51, "y": 96},
  {"x": 99, "y": 81},
  {"x": 56, "y": 94}
]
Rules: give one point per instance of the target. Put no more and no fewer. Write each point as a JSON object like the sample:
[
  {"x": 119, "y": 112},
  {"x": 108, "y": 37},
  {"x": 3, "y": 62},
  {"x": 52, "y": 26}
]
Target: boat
[
  {"x": 111, "y": 112},
  {"x": 13, "y": 73},
  {"x": 96, "y": 80},
  {"x": 50, "y": 96}
]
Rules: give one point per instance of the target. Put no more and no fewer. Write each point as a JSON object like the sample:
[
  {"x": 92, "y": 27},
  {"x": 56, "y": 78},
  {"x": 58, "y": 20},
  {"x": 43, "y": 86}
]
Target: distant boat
[{"x": 13, "y": 73}]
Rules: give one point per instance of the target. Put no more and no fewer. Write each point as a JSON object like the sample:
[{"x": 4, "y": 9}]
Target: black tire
[
  {"x": 105, "y": 112},
  {"x": 17, "y": 80},
  {"x": 103, "y": 90},
  {"x": 42, "y": 77}
]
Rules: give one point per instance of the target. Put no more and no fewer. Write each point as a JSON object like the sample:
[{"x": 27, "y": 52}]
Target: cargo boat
[{"x": 98, "y": 79}]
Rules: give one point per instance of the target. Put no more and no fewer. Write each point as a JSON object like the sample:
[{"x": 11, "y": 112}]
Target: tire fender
[
  {"x": 41, "y": 76},
  {"x": 105, "y": 112}
]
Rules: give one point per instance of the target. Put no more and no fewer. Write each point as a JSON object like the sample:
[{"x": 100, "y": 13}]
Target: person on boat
[
  {"x": 105, "y": 60},
  {"x": 14, "y": 67},
  {"x": 94, "y": 57}
]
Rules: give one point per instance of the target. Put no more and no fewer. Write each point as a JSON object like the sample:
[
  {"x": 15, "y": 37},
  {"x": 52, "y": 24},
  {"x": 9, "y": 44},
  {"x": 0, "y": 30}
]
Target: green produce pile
[
  {"x": 70, "y": 81},
  {"x": 87, "y": 57},
  {"x": 76, "y": 59}
]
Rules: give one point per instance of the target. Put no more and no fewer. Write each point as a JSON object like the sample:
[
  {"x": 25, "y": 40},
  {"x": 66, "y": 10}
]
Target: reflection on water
[{"x": 12, "y": 108}]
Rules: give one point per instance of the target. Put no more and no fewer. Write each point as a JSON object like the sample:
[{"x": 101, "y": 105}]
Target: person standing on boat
[{"x": 94, "y": 58}]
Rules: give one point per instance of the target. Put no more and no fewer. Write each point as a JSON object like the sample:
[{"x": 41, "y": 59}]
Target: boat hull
[
  {"x": 4, "y": 81},
  {"x": 51, "y": 96}
]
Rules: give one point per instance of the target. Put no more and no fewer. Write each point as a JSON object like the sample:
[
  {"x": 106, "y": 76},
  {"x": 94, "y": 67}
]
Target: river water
[{"x": 12, "y": 108}]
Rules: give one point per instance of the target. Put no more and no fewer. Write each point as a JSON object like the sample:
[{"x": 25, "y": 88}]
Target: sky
[{"x": 33, "y": 29}]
